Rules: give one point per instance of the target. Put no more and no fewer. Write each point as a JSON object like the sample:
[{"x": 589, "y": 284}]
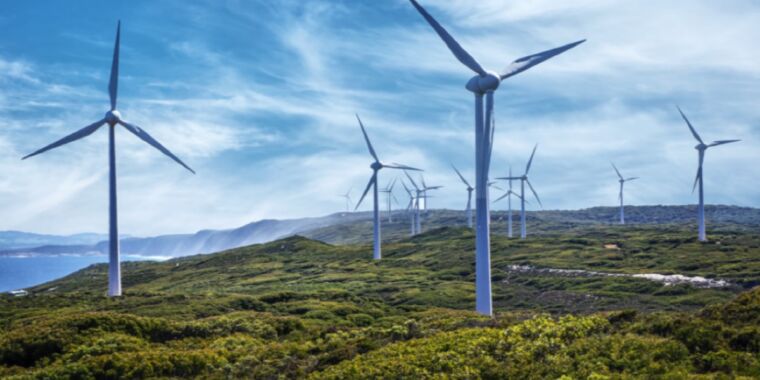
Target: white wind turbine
[
  {"x": 347, "y": 197},
  {"x": 620, "y": 197},
  {"x": 419, "y": 193},
  {"x": 425, "y": 189},
  {"x": 509, "y": 195},
  {"x": 468, "y": 209},
  {"x": 112, "y": 118},
  {"x": 523, "y": 180},
  {"x": 376, "y": 166},
  {"x": 485, "y": 83},
  {"x": 701, "y": 148},
  {"x": 410, "y": 208},
  {"x": 388, "y": 191}
]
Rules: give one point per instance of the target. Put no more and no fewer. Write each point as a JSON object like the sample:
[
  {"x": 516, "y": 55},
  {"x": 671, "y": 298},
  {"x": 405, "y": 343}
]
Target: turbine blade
[
  {"x": 460, "y": 176},
  {"x": 696, "y": 179},
  {"x": 693, "y": 131},
  {"x": 620, "y": 194},
  {"x": 534, "y": 193},
  {"x": 113, "y": 84},
  {"x": 525, "y": 63},
  {"x": 616, "y": 170},
  {"x": 369, "y": 185},
  {"x": 412, "y": 181},
  {"x": 530, "y": 161},
  {"x": 459, "y": 52},
  {"x": 501, "y": 197},
  {"x": 395, "y": 165},
  {"x": 422, "y": 180},
  {"x": 144, "y": 136},
  {"x": 699, "y": 170},
  {"x": 631, "y": 179},
  {"x": 721, "y": 142},
  {"x": 84, "y": 132},
  {"x": 366, "y": 138},
  {"x": 488, "y": 132}
]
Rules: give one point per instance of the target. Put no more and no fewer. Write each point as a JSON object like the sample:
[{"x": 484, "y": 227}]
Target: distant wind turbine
[
  {"x": 701, "y": 148},
  {"x": 523, "y": 180},
  {"x": 419, "y": 193},
  {"x": 509, "y": 195},
  {"x": 425, "y": 189},
  {"x": 376, "y": 166},
  {"x": 622, "y": 182},
  {"x": 388, "y": 190},
  {"x": 468, "y": 209},
  {"x": 485, "y": 83},
  {"x": 347, "y": 196},
  {"x": 112, "y": 118},
  {"x": 410, "y": 208}
]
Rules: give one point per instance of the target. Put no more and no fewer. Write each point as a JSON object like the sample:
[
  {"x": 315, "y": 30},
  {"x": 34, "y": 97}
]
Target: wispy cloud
[{"x": 260, "y": 97}]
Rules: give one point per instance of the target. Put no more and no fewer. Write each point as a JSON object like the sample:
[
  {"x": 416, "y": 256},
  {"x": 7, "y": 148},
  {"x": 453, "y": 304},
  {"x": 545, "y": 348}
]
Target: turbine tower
[
  {"x": 509, "y": 195},
  {"x": 485, "y": 83},
  {"x": 622, "y": 182},
  {"x": 376, "y": 166},
  {"x": 388, "y": 190},
  {"x": 523, "y": 180},
  {"x": 347, "y": 196},
  {"x": 701, "y": 148},
  {"x": 112, "y": 118},
  {"x": 468, "y": 209}
]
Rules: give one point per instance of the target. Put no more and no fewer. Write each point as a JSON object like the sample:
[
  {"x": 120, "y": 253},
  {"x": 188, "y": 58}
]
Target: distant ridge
[{"x": 356, "y": 227}]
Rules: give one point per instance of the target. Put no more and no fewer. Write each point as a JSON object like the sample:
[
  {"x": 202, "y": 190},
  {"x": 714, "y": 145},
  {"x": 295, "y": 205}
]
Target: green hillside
[{"x": 298, "y": 308}]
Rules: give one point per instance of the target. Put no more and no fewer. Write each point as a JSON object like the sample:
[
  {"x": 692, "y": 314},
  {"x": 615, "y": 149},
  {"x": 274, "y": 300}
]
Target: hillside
[
  {"x": 341, "y": 228},
  {"x": 298, "y": 308}
]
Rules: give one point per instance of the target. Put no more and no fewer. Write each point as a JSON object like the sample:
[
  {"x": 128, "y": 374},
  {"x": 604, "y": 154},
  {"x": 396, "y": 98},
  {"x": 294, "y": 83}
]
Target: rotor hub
[
  {"x": 376, "y": 166},
  {"x": 113, "y": 117},
  {"x": 481, "y": 84},
  {"x": 700, "y": 147}
]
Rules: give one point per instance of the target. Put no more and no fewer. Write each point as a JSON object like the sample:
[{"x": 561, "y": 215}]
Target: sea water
[{"x": 19, "y": 272}]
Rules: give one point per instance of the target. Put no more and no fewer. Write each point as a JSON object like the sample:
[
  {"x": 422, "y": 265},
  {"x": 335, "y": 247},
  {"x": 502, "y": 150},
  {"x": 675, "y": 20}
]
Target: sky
[{"x": 259, "y": 98}]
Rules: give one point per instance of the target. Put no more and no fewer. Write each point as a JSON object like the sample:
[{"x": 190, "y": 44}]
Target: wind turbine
[
  {"x": 509, "y": 195},
  {"x": 485, "y": 83},
  {"x": 622, "y": 182},
  {"x": 347, "y": 196},
  {"x": 523, "y": 180},
  {"x": 376, "y": 166},
  {"x": 701, "y": 148},
  {"x": 389, "y": 191},
  {"x": 410, "y": 208},
  {"x": 425, "y": 189},
  {"x": 468, "y": 210},
  {"x": 419, "y": 194},
  {"x": 112, "y": 118}
]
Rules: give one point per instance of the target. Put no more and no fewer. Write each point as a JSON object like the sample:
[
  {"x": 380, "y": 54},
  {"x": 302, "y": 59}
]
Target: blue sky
[{"x": 259, "y": 97}]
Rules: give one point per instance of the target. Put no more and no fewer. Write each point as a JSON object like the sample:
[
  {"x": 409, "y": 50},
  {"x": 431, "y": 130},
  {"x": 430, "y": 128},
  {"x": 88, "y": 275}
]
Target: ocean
[{"x": 20, "y": 272}]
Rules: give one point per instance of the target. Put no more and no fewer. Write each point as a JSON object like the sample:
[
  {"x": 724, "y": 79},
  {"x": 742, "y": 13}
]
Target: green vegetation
[{"x": 300, "y": 308}]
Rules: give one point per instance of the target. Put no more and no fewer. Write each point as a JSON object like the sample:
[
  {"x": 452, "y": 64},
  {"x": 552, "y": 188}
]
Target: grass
[{"x": 298, "y": 308}]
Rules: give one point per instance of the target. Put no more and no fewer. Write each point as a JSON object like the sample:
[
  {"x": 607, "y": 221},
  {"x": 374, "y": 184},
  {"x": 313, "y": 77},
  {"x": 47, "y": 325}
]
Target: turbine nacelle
[
  {"x": 701, "y": 147},
  {"x": 480, "y": 84},
  {"x": 376, "y": 166},
  {"x": 112, "y": 117}
]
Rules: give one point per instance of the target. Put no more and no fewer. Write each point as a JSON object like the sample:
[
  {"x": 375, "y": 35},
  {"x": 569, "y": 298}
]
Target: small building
[{"x": 19, "y": 293}]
